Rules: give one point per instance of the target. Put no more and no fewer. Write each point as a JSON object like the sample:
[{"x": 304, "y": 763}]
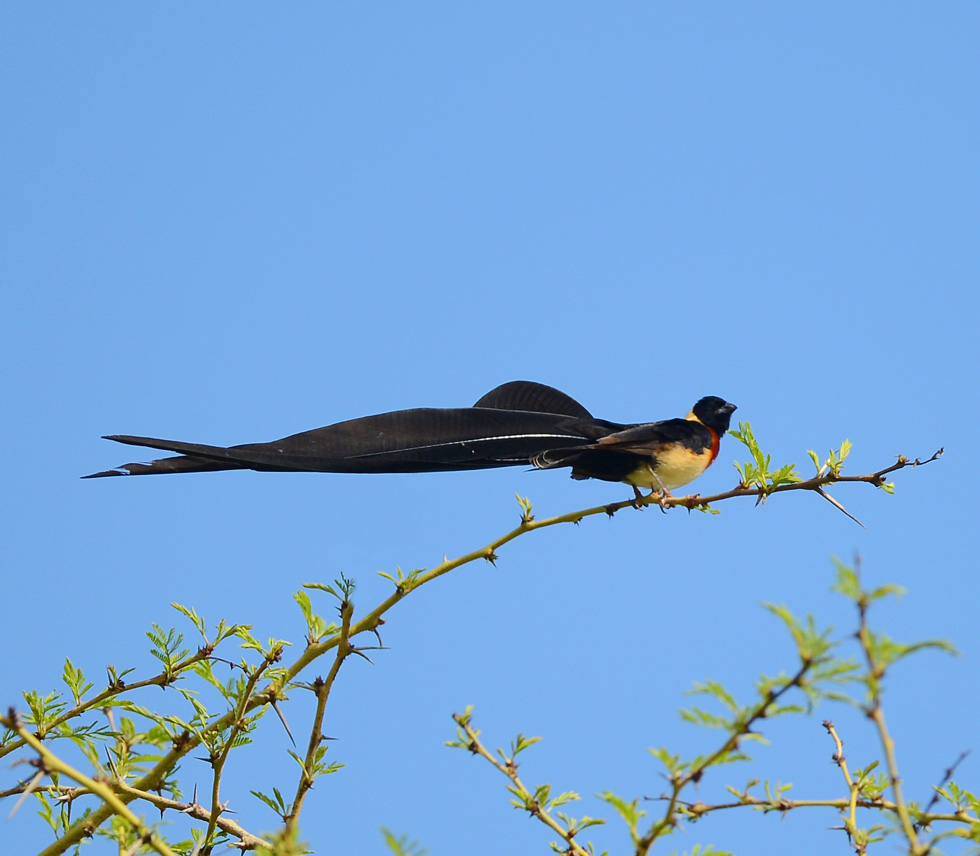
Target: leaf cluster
[{"x": 825, "y": 672}]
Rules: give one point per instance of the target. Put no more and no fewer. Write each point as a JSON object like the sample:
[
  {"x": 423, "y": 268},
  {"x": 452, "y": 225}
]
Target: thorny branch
[
  {"x": 681, "y": 781},
  {"x": 815, "y": 484},
  {"x": 117, "y": 795},
  {"x": 322, "y": 689},
  {"x": 238, "y": 726},
  {"x": 509, "y": 768}
]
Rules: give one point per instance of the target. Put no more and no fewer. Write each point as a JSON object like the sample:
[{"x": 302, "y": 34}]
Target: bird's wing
[
  {"x": 534, "y": 397},
  {"x": 646, "y": 440}
]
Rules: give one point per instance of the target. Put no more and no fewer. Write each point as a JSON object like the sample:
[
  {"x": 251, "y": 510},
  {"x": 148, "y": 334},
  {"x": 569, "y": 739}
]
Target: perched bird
[{"x": 520, "y": 422}]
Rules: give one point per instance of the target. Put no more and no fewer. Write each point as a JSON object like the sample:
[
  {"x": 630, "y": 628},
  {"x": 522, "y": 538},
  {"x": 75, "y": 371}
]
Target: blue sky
[{"x": 227, "y": 223}]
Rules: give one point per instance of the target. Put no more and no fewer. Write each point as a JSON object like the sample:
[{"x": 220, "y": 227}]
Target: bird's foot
[{"x": 663, "y": 494}]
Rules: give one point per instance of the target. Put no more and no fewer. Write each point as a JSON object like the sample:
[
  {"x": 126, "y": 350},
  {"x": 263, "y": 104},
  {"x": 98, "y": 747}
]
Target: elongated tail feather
[
  {"x": 419, "y": 440},
  {"x": 182, "y": 464}
]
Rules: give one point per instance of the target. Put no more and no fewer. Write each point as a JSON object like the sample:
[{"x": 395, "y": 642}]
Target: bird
[{"x": 519, "y": 422}]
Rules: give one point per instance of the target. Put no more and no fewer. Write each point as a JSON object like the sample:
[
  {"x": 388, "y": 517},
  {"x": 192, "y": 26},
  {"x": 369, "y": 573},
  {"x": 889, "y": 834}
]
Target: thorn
[
  {"x": 282, "y": 719},
  {"x": 360, "y": 653},
  {"x": 32, "y": 785},
  {"x": 838, "y": 506}
]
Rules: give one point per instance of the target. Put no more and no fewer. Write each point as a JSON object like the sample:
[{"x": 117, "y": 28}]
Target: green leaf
[
  {"x": 715, "y": 689},
  {"x": 401, "y": 845},
  {"x": 628, "y": 811},
  {"x": 75, "y": 680},
  {"x": 757, "y": 473},
  {"x": 277, "y": 805},
  {"x": 43, "y": 709},
  {"x": 405, "y": 582},
  {"x": 847, "y": 582},
  {"x": 191, "y": 613},
  {"x": 321, "y": 587},
  {"x": 697, "y": 716},
  {"x": 306, "y": 607},
  {"x": 167, "y": 646},
  {"x": 563, "y": 798},
  {"x": 520, "y": 743},
  {"x": 671, "y": 762}
]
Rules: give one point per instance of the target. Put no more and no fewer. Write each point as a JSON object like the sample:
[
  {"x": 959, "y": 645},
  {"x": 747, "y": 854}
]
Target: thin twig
[
  {"x": 877, "y": 716},
  {"x": 344, "y": 650},
  {"x": 192, "y": 809},
  {"x": 850, "y": 819},
  {"x": 946, "y": 779},
  {"x": 510, "y": 771},
  {"x": 783, "y": 804},
  {"x": 218, "y": 764}
]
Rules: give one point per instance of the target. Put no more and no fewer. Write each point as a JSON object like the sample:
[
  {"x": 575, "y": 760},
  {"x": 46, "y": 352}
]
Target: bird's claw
[
  {"x": 640, "y": 501},
  {"x": 663, "y": 494}
]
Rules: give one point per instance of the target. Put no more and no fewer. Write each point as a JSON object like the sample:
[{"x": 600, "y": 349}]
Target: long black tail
[
  {"x": 508, "y": 427},
  {"x": 183, "y": 464}
]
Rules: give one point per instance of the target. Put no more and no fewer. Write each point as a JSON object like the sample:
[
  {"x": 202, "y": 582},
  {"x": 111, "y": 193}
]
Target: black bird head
[{"x": 714, "y": 412}]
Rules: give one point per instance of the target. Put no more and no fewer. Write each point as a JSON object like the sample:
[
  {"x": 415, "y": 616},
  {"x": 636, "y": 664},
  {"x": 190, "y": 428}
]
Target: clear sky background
[{"x": 227, "y": 223}]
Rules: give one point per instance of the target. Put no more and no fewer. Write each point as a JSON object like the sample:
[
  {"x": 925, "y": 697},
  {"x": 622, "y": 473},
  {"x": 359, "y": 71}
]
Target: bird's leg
[
  {"x": 664, "y": 493},
  {"x": 638, "y": 502}
]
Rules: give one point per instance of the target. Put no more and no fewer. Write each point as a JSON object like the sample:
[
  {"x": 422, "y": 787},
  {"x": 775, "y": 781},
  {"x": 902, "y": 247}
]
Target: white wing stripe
[{"x": 470, "y": 442}]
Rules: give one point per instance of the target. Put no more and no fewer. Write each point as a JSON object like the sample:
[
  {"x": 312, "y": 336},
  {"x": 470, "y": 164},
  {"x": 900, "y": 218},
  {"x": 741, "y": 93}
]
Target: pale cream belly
[{"x": 675, "y": 469}]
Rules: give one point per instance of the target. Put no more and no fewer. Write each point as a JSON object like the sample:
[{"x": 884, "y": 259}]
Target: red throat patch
[{"x": 715, "y": 444}]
